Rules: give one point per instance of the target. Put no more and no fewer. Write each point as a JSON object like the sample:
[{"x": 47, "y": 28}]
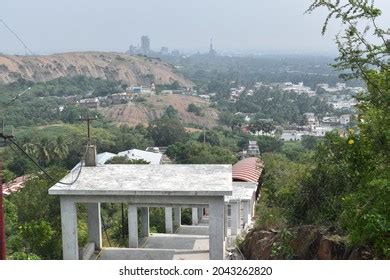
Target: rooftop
[
  {"x": 152, "y": 158},
  {"x": 242, "y": 191},
  {"x": 103, "y": 157},
  {"x": 248, "y": 170},
  {"x": 134, "y": 179}
]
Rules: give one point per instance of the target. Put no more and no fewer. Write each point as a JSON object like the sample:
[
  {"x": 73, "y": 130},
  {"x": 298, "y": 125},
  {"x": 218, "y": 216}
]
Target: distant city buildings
[
  {"x": 297, "y": 88},
  {"x": 340, "y": 97},
  {"x": 164, "y": 51},
  {"x": 110, "y": 99},
  {"x": 339, "y": 88},
  {"x": 145, "y": 45},
  {"x": 144, "y": 48},
  {"x": 343, "y": 105},
  {"x": 132, "y": 50},
  {"x": 90, "y": 103},
  {"x": 292, "y": 135}
]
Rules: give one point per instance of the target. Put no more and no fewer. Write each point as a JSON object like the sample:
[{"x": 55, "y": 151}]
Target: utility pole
[
  {"x": 90, "y": 155},
  {"x": 88, "y": 119}
]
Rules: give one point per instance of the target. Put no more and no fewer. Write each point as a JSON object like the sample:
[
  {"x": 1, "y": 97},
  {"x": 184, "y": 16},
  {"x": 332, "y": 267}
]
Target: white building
[
  {"x": 253, "y": 149},
  {"x": 91, "y": 103},
  {"x": 292, "y": 135},
  {"x": 250, "y": 92},
  {"x": 205, "y": 96},
  {"x": 337, "y": 88},
  {"x": 343, "y": 105},
  {"x": 297, "y": 88},
  {"x": 345, "y": 119},
  {"x": 320, "y": 131},
  {"x": 135, "y": 90},
  {"x": 330, "y": 119},
  {"x": 119, "y": 98}
]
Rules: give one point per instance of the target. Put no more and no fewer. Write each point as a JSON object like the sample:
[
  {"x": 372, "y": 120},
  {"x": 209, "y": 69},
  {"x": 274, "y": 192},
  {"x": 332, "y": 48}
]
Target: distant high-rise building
[
  {"x": 164, "y": 50},
  {"x": 212, "y": 51},
  {"x": 132, "y": 50},
  {"x": 145, "y": 45},
  {"x": 175, "y": 53}
]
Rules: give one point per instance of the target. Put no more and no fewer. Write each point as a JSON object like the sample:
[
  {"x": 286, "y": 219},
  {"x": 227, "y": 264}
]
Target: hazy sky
[{"x": 268, "y": 26}]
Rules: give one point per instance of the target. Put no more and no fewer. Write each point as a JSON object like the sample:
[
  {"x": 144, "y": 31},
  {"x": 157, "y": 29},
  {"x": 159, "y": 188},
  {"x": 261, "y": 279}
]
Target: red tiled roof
[
  {"x": 248, "y": 170},
  {"x": 15, "y": 185}
]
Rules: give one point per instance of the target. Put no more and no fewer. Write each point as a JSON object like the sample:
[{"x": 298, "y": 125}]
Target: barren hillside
[
  {"x": 141, "y": 113},
  {"x": 132, "y": 70}
]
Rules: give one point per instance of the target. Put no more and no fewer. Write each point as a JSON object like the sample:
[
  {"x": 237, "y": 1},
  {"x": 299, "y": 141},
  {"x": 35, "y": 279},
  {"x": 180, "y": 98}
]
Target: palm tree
[
  {"x": 60, "y": 150},
  {"x": 30, "y": 149},
  {"x": 43, "y": 149}
]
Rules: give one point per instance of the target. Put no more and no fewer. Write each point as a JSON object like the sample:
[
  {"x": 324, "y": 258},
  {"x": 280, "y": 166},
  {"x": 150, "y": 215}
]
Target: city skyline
[{"x": 255, "y": 27}]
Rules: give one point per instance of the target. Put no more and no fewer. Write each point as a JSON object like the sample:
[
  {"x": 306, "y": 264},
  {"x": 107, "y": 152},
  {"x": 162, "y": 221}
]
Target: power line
[
  {"x": 16, "y": 97},
  {"x": 10, "y": 138},
  {"x": 43, "y": 170},
  {"x": 5, "y": 107},
  {"x": 17, "y": 37},
  {"x": 2, "y": 222}
]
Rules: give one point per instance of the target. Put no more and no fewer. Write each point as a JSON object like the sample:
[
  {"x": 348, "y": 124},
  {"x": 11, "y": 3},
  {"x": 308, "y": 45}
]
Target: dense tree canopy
[
  {"x": 199, "y": 153},
  {"x": 166, "y": 131},
  {"x": 346, "y": 181}
]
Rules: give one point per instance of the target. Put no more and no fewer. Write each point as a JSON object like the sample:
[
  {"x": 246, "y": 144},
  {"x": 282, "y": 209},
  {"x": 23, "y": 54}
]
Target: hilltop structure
[
  {"x": 143, "y": 186},
  {"x": 221, "y": 208}
]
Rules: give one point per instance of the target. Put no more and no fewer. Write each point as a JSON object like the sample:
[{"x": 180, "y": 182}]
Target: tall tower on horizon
[{"x": 212, "y": 51}]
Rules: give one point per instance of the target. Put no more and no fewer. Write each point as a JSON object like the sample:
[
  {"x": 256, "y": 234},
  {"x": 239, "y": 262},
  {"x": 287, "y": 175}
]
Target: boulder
[
  {"x": 361, "y": 253},
  {"x": 307, "y": 242},
  {"x": 331, "y": 248},
  {"x": 258, "y": 244}
]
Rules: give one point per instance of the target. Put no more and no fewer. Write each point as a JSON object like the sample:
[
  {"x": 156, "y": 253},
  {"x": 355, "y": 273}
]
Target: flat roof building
[{"x": 143, "y": 186}]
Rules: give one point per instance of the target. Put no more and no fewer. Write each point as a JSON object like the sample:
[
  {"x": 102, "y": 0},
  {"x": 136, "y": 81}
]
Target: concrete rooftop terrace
[
  {"x": 139, "y": 179},
  {"x": 241, "y": 191}
]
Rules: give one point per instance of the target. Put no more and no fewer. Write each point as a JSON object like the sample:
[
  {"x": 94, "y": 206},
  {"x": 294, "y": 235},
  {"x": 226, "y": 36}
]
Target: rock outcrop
[
  {"x": 154, "y": 106},
  {"x": 304, "y": 242},
  {"x": 132, "y": 70}
]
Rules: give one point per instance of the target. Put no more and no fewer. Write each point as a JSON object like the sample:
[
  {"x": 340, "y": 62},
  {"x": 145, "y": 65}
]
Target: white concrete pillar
[
  {"x": 253, "y": 205},
  {"x": 216, "y": 229},
  {"x": 246, "y": 216},
  {"x": 145, "y": 228},
  {"x": 235, "y": 217},
  {"x": 200, "y": 214},
  {"x": 177, "y": 217},
  {"x": 239, "y": 217},
  {"x": 168, "y": 220},
  {"x": 195, "y": 219},
  {"x": 70, "y": 245},
  {"x": 225, "y": 224},
  {"x": 133, "y": 226},
  {"x": 94, "y": 225}
]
